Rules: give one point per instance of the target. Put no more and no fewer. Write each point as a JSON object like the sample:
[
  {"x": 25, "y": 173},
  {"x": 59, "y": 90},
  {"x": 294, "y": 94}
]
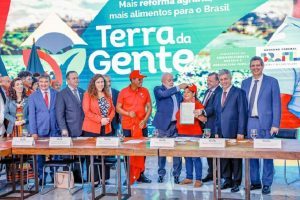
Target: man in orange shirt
[{"x": 134, "y": 105}]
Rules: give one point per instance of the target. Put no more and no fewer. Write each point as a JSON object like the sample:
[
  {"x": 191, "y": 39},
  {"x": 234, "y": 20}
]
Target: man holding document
[{"x": 231, "y": 122}]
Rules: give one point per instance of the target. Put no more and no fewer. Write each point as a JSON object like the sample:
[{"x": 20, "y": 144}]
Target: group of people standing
[{"x": 229, "y": 112}]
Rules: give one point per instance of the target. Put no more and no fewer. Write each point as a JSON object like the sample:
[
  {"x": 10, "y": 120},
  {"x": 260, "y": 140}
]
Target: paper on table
[
  {"x": 133, "y": 142},
  {"x": 82, "y": 138},
  {"x": 183, "y": 139},
  {"x": 187, "y": 113}
]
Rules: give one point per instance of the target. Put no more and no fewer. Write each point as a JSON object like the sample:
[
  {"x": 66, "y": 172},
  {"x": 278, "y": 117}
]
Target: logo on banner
[
  {"x": 121, "y": 61},
  {"x": 280, "y": 56}
]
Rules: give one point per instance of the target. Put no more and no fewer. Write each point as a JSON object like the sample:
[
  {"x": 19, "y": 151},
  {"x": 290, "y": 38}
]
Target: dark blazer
[
  {"x": 231, "y": 119},
  {"x": 268, "y": 102},
  {"x": 42, "y": 121},
  {"x": 69, "y": 112},
  {"x": 2, "y": 92},
  {"x": 116, "y": 120},
  {"x": 209, "y": 109},
  {"x": 11, "y": 111},
  {"x": 164, "y": 106}
]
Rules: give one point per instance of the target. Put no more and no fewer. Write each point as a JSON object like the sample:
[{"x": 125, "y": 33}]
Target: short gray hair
[{"x": 224, "y": 71}]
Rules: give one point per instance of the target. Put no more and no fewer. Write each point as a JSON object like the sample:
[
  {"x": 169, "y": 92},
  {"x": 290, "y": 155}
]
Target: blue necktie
[
  {"x": 76, "y": 95},
  {"x": 252, "y": 96}
]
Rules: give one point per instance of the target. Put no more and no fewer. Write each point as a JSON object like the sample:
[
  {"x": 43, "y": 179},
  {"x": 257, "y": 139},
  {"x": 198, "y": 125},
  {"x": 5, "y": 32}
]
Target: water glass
[
  {"x": 253, "y": 133},
  {"x": 120, "y": 134},
  {"x": 206, "y": 133},
  {"x": 24, "y": 132},
  {"x": 155, "y": 133}
]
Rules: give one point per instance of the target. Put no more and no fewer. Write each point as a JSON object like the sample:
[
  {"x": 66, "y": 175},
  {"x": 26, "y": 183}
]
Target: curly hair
[
  {"x": 92, "y": 90},
  {"x": 24, "y": 74},
  {"x": 12, "y": 92}
]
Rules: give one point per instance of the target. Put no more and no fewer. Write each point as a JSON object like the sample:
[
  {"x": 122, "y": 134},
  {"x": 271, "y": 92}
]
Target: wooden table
[
  {"x": 242, "y": 149},
  {"x": 86, "y": 147},
  {"x": 6, "y": 150},
  {"x": 5, "y": 147}
]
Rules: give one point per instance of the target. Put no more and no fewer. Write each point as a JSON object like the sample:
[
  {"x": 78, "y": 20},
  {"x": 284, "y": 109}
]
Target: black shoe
[
  {"x": 266, "y": 190},
  {"x": 225, "y": 185},
  {"x": 176, "y": 180},
  {"x": 255, "y": 186},
  {"x": 41, "y": 182},
  {"x": 96, "y": 183},
  {"x": 143, "y": 179},
  {"x": 235, "y": 188},
  {"x": 207, "y": 179},
  {"x": 52, "y": 180},
  {"x": 77, "y": 179},
  {"x": 160, "y": 179}
]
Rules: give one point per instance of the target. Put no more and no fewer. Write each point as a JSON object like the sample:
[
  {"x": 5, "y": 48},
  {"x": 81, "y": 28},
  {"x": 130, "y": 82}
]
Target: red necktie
[
  {"x": 224, "y": 98},
  {"x": 46, "y": 99}
]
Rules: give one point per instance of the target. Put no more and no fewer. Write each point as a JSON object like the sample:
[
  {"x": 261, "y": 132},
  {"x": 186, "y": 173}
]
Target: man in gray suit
[{"x": 69, "y": 113}]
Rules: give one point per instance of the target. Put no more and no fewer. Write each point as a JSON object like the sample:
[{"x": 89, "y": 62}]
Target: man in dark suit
[
  {"x": 231, "y": 122},
  {"x": 115, "y": 124},
  {"x": 208, "y": 102},
  {"x": 4, "y": 83},
  {"x": 2, "y": 109},
  {"x": 264, "y": 115},
  {"x": 42, "y": 119},
  {"x": 168, "y": 99},
  {"x": 69, "y": 111}
]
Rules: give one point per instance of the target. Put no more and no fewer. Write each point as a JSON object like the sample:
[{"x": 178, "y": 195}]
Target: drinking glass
[
  {"x": 253, "y": 133},
  {"x": 206, "y": 133},
  {"x": 24, "y": 132},
  {"x": 155, "y": 133},
  {"x": 120, "y": 134}
]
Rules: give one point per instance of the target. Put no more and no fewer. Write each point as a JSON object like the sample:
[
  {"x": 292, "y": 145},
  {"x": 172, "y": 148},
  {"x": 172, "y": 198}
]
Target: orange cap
[
  {"x": 193, "y": 88},
  {"x": 136, "y": 74}
]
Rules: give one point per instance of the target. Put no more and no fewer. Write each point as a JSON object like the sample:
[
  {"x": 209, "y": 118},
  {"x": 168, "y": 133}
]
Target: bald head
[{"x": 167, "y": 80}]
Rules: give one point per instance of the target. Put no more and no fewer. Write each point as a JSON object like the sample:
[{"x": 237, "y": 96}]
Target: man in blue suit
[
  {"x": 42, "y": 119},
  {"x": 231, "y": 122},
  {"x": 264, "y": 114},
  {"x": 69, "y": 111},
  {"x": 115, "y": 123},
  {"x": 208, "y": 102},
  {"x": 168, "y": 99}
]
